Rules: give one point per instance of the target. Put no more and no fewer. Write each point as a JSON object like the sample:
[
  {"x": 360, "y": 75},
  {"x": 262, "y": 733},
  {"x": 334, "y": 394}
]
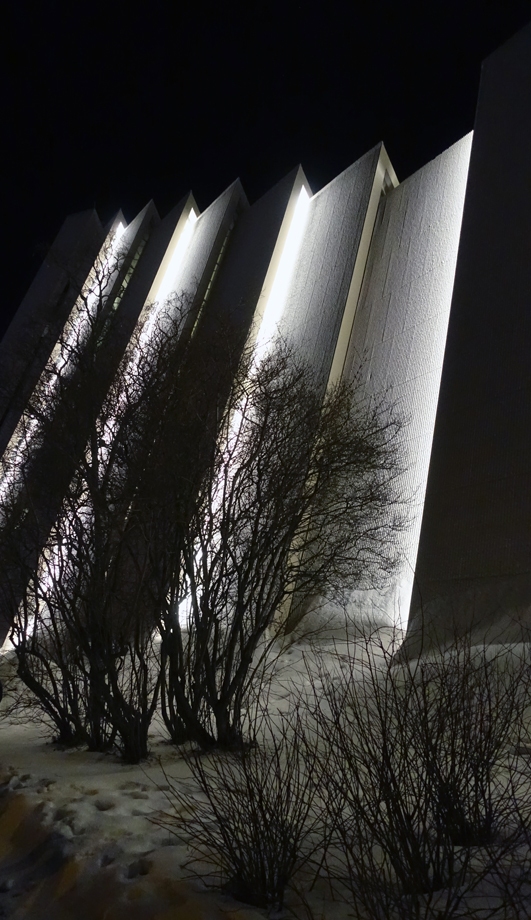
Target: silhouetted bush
[
  {"x": 298, "y": 499},
  {"x": 82, "y": 617},
  {"x": 423, "y": 782},
  {"x": 257, "y": 822}
]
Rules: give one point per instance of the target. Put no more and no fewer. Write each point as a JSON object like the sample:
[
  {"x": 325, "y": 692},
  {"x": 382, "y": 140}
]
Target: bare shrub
[
  {"x": 206, "y": 493},
  {"x": 258, "y": 822},
  {"x": 83, "y": 625},
  {"x": 421, "y": 780},
  {"x": 298, "y": 499}
]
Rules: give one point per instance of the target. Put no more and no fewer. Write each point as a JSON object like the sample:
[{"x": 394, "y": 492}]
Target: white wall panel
[{"x": 401, "y": 321}]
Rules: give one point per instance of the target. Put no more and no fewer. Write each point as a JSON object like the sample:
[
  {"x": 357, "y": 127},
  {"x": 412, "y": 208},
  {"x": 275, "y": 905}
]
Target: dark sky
[{"x": 109, "y": 105}]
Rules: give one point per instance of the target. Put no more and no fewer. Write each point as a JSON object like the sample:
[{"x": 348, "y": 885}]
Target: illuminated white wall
[
  {"x": 268, "y": 321},
  {"x": 320, "y": 281},
  {"x": 343, "y": 264},
  {"x": 67, "y": 349},
  {"x": 167, "y": 278},
  {"x": 189, "y": 260},
  {"x": 399, "y": 331}
]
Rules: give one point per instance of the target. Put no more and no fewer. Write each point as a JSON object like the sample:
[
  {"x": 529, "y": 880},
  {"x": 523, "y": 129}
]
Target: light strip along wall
[
  {"x": 399, "y": 331},
  {"x": 272, "y": 298},
  {"x": 16, "y": 451},
  {"x": 384, "y": 178},
  {"x": 167, "y": 276},
  {"x": 103, "y": 271}
]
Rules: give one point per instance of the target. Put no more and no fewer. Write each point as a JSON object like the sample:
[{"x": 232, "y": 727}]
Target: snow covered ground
[{"x": 76, "y": 835}]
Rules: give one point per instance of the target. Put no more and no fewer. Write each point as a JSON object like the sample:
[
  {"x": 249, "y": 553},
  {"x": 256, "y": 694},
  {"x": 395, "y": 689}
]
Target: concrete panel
[
  {"x": 399, "y": 332},
  {"x": 243, "y": 272},
  {"x": 473, "y": 565},
  {"x": 149, "y": 247},
  {"x": 28, "y": 342},
  {"x": 52, "y": 462},
  {"x": 209, "y": 235},
  {"x": 321, "y": 280},
  {"x": 191, "y": 278}
]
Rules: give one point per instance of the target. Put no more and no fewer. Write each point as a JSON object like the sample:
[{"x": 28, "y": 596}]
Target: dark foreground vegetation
[
  {"x": 402, "y": 789},
  {"x": 206, "y": 500}
]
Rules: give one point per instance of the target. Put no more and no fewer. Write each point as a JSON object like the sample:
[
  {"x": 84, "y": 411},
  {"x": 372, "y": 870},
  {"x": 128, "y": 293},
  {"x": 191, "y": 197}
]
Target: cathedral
[{"x": 422, "y": 287}]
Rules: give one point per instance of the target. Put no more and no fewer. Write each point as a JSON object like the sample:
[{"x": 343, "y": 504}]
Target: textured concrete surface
[
  {"x": 207, "y": 240},
  {"x": 321, "y": 279},
  {"x": 28, "y": 342},
  {"x": 473, "y": 565},
  {"x": 399, "y": 334},
  {"x": 249, "y": 252}
]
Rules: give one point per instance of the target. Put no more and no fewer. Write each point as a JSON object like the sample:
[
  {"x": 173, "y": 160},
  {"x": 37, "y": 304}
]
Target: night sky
[{"x": 109, "y": 105}]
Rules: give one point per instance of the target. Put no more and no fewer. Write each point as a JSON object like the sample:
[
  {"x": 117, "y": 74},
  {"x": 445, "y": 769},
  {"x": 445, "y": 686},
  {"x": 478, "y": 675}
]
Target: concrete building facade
[
  {"x": 473, "y": 568},
  {"x": 365, "y": 277}
]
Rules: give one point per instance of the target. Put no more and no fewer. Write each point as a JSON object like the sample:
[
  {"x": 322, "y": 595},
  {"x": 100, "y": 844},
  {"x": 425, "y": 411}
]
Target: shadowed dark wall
[{"x": 474, "y": 558}]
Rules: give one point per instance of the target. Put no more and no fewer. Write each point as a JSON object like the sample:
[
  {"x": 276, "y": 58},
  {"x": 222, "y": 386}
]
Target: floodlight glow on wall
[
  {"x": 77, "y": 326},
  {"x": 92, "y": 293},
  {"x": 274, "y": 307},
  {"x": 167, "y": 285},
  {"x": 275, "y": 303},
  {"x": 158, "y": 296},
  {"x": 268, "y": 326}
]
